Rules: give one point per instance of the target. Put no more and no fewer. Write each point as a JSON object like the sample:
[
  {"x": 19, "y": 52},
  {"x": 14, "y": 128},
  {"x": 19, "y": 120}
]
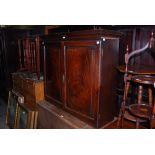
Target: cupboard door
[
  {"x": 80, "y": 60},
  {"x": 52, "y": 73}
]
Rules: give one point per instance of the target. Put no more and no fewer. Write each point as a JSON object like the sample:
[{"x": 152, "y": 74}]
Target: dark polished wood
[
  {"x": 29, "y": 54},
  {"x": 53, "y": 72},
  {"x": 109, "y": 80},
  {"x": 80, "y": 73},
  {"x": 144, "y": 79},
  {"x": 140, "y": 110},
  {"x": 136, "y": 38},
  {"x": 141, "y": 75},
  {"x": 36, "y": 60}
]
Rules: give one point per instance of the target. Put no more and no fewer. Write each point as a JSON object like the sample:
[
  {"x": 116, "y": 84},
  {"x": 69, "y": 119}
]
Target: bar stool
[{"x": 140, "y": 110}]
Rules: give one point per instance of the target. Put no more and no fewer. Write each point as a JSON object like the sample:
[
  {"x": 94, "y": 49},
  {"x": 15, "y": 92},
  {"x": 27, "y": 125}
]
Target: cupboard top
[{"x": 82, "y": 35}]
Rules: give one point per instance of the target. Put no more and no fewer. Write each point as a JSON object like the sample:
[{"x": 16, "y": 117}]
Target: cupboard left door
[{"x": 53, "y": 72}]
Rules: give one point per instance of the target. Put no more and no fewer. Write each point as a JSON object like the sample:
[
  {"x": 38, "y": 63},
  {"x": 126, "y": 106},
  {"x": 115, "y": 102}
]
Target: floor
[
  {"x": 129, "y": 122},
  {"x": 111, "y": 125},
  {"x": 3, "y": 109},
  {"x": 126, "y": 125}
]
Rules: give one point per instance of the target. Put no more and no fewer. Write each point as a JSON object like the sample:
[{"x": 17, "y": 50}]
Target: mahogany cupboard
[{"x": 80, "y": 73}]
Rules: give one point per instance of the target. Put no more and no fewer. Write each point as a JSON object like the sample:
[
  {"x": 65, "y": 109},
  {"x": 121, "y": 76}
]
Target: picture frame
[
  {"x": 26, "y": 118},
  {"x": 12, "y": 107}
]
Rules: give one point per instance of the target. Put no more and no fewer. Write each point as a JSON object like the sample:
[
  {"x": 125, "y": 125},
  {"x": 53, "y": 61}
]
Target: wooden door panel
[
  {"x": 53, "y": 74},
  {"x": 80, "y": 78}
]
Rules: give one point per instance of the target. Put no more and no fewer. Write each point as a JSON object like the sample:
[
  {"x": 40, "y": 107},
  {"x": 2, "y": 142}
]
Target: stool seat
[
  {"x": 144, "y": 79},
  {"x": 131, "y": 117},
  {"x": 141, "y": 110}
]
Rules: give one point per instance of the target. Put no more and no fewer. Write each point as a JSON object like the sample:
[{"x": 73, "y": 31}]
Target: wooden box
[{"x": 32, "y": 89}]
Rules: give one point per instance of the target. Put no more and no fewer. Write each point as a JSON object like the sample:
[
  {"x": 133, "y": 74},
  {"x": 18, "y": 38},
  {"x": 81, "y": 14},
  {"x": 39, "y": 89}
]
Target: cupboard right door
[{"x": 81, "y": 60}]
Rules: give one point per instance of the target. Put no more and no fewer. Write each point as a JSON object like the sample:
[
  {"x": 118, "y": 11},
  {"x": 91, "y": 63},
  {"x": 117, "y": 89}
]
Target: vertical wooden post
[
  {"x": 19, "y": 53},
  {"x": 27, "y": 55},
  {"x": 38, "y": 56}
]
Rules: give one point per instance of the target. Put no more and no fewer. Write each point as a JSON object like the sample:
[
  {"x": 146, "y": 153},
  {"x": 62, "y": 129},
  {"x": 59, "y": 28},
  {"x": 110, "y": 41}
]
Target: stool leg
[
  {"x": 152, "y": 121},
  {"x": 150, "y": 96},
  {"x": 127, "y": 90},
  {"x": 154, "y": 108},
  {"x": 122, "y": 110},
  {"x": 140, "y": 91},
  {"x": 137, "y": 123}
]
